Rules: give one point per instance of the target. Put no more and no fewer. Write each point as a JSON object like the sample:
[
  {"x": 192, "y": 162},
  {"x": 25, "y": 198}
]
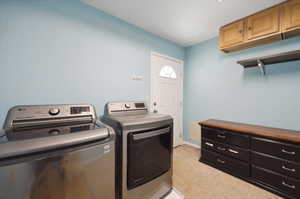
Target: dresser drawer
[
  {"x": 280, "y": 166},
  {"x": 283, "y": 184},
  {"x": 234, "y": 167},
  {"x": 228, "y": 150},
  {"x": 275, "y": 148},
  {"x": 226, "y": 137}
]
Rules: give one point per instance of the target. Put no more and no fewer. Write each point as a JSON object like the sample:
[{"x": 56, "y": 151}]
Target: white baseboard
[{"x": 190, "y": 144}]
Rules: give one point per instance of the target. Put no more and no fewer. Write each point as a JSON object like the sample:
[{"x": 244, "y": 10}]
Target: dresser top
[{"x": 283, "y": 134}]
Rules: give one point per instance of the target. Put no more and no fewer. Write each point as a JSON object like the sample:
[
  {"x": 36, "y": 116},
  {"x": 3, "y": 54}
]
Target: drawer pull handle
[
  {"x": 221, "y": 161},
  {"x": 233, "y": 151},
  {"x": 289, "y": 186},
  {"x": 288, "y": 152},
  {"x": 209, "y": 144},
  {"x": 288, "y": 169},
  {"x": 221, "y": 149},
  {"x": 221, "y": 136}
]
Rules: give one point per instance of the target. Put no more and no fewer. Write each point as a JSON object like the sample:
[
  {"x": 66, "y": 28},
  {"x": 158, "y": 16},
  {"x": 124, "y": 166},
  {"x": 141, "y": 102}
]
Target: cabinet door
[
  {"x": 232, "y": 34},
  {"x": 291, "y": 17},
  {"x": 263, "y": 24}
]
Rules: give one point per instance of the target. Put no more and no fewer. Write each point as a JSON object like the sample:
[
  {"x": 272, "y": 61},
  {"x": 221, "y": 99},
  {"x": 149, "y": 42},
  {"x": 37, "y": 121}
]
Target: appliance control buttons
[
  {"x": 127, "y": 106},
  {"x": 54, "y": 111}
]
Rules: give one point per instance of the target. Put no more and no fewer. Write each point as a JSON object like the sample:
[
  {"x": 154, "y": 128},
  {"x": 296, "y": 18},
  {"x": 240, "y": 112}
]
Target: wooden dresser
[{"x": 266, "y": 157}]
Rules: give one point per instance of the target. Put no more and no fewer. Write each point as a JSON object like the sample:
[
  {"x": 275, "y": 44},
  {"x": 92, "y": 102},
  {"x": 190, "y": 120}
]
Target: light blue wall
[
  {"x": 63, "y": 51},
  {"x": 217, "y": 87}
]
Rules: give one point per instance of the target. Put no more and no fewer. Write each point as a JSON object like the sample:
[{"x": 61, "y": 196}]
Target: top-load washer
[
  {"x": 144, "y": 150},
  {"x": 56, "y": 152}
]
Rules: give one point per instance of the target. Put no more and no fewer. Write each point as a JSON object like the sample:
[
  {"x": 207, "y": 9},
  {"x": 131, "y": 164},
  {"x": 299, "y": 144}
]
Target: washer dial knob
[
  {"x": 54, "y": 111},
  {"x": 54, "y": 132}
]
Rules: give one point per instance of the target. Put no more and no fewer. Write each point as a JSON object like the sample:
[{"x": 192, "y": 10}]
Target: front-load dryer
[{"x": 144, "y": 146}]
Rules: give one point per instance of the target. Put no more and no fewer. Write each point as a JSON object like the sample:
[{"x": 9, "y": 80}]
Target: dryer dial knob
[
  {"x": 54, "y": 111},
  {"x": 127, "y": 106}
]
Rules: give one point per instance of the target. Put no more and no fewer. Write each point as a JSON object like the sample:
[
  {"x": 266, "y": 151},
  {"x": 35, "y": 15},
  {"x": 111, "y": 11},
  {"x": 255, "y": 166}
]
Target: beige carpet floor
[{"x": 199, "y": 181}]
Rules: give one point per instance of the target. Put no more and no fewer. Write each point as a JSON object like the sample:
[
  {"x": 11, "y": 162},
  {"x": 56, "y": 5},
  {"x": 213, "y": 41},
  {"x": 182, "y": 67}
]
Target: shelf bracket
[{"x": 262, "y": 67}]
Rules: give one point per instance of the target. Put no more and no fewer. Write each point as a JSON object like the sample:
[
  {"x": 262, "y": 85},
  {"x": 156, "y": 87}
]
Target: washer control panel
[
  {"x": 45, "y": 111},
  {"x": 26, "y": 113}
]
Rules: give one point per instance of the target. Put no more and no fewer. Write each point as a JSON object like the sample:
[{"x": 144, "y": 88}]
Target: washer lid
[{"x": 17, "y": 143}]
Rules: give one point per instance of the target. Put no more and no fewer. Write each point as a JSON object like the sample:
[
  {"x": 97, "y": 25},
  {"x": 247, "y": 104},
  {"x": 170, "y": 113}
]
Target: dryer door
[{"x": 149, "y": 155}]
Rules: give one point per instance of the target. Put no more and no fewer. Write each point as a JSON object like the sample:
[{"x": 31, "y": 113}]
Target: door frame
[{"x": 181, "y": 75}]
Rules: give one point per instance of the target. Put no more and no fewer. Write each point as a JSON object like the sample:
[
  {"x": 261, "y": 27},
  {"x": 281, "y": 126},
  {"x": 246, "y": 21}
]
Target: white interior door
[{"x": 166, "y": 90}]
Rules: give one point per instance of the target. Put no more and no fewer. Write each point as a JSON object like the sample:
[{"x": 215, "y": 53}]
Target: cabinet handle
[
  {"x": 288, "y": 169},
  {"x": 221, "y": 148},
  {"x": 233, "y": 151},
  {"x": 209, "y": 144},
  {"x": 221, "y": 136},
  {"x": 249, "y": 28},
  {"x": 288, "y": 152},
  {"x": 241, "y": 31},
  {"x": 289, "y": 186},
  {"x": 221, "y": 161}
]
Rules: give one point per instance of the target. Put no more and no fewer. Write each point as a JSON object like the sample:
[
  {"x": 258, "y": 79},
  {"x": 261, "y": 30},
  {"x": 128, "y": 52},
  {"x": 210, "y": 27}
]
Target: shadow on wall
[{"x": 272, "y": 71}]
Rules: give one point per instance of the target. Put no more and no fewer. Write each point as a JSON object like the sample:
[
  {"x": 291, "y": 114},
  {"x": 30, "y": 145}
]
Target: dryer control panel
[{"x": 117, "y": 107}]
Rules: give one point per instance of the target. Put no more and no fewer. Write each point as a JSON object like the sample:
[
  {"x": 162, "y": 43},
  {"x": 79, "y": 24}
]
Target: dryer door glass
[{"x": 149, "y": 155}]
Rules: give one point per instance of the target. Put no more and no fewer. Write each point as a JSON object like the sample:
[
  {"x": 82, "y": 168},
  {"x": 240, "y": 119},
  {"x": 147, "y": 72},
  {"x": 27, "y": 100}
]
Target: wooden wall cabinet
[
  {"x": 274, "y": 24},
  {"x": 291, "y": 18},
  {"x": 232, "y": 34},
  {"x": 263, "y": 24}
]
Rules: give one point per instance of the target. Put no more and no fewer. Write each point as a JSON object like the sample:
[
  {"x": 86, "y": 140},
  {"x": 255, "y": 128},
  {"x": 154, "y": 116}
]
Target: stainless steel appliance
[
  {"x": 144, "y": 150},
  {"x": 56, "y": 152}
]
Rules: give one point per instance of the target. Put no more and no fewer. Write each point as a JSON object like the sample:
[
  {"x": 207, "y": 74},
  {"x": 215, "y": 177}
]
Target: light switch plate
[{"x": 137, "y": 78}]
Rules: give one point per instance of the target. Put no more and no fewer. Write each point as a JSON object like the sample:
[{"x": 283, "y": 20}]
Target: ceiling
[{"x": 185, "y": 22}]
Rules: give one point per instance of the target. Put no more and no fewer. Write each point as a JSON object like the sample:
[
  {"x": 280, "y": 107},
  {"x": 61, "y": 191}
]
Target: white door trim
[
  {"x": 168, "y": 57},
  {"x": 181, "y": 62}
]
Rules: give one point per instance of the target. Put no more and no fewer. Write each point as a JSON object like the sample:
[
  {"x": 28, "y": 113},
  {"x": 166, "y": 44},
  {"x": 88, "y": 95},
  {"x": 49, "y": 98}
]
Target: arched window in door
[{"x": 168, "y": 72}]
